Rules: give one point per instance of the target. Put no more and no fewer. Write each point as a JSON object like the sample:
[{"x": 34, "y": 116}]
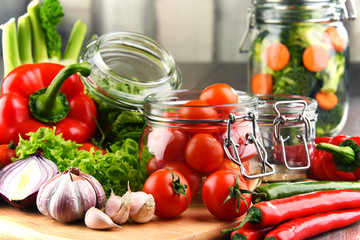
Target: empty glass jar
[
  {"x": 126, "y": 67},
  {"x": 288, "y": 124}
]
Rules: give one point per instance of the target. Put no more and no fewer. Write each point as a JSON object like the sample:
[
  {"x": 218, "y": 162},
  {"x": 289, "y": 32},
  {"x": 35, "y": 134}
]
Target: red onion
[{"x": 21, "y": 180}]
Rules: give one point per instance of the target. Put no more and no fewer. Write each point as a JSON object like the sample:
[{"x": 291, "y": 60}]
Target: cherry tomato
[
  {"x": 155, "y": 164},
  {"x": 167, "y": 144},
  {"x": 169, "y": 203},
  {"x": 219, "y": 94},
  {"x": 222, "y": 134},
  {"x": 89, "y": 146},
  {"x": 238, "y": 133},
  {"x": 193, "y": 177},
  {"x": 227, "y": 164},
  {"x": 216, "y": 190},
  {"x": 6, "y": 154},
  {"x": 203, "y": 152},
  {"x": 197, "y": 110}
]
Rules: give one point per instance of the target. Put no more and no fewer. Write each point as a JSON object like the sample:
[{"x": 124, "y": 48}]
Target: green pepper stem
[
  {"x": 49, "y": 104},
  {"x": 54, "y": 87},
  {"x": 344, "y": 153}
]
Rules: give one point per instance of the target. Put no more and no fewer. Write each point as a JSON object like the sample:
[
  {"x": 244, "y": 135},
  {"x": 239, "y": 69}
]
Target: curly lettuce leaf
[{"x": 113, "y": 169}]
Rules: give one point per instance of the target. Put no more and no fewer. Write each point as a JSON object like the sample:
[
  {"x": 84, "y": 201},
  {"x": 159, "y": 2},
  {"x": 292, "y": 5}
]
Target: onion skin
[
  {"x": 27, "y": 203},
  {"x": 25, "y": 198}
]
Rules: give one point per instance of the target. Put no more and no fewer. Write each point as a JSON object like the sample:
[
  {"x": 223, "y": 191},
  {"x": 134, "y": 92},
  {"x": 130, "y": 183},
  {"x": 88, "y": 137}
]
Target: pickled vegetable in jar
[
  {"x": 126, "y": 67},
  {"x": 198, "y": 139},
  {"x": 301, "y": 47}
]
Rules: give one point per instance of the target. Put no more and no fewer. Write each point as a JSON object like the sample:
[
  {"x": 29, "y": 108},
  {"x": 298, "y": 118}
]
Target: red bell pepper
[
  {"x": 339, "y": 159},
  {"x": 316, "y": 170},
  {"x": 46, "y": 95}
]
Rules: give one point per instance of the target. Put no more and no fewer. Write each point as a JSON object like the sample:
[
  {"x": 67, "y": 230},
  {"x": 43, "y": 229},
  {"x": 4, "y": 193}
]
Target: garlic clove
[
  {"x": 97, "y": 219},
  {"x": 142, "y": 207},
  {"x": 118, "y": 208}
]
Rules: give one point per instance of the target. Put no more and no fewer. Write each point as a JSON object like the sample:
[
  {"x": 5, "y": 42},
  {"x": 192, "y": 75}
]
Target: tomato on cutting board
[{"x": 171, "y": 192}]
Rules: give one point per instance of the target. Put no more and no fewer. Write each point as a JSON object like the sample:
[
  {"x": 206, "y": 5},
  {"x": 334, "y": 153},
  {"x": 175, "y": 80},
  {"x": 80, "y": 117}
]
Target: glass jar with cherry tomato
[
  {"x": 199, "y": 132},
  {"x": 302, "y": 48}
]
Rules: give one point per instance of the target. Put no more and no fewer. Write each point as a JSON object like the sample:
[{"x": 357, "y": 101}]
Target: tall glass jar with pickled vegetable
[{"x": 301, "y": 47}]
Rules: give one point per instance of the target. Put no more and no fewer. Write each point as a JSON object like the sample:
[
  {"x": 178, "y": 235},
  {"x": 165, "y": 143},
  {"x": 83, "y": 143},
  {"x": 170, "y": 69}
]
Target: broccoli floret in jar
[
  {"x": 328, "y": 119},
  {"x": 258, "y": 45},
  {"x": 294, "y": 81},
  {"x": 303, "y": 35},
  {"x": 332, "y": 74}
]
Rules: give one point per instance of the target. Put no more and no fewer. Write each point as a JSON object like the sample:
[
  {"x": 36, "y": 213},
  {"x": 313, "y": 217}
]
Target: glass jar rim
[
  {"x": 119, "y": 89},
  {"x": 267, "y": 101},
  {"x": 156, "y": 104},
  {"x": 122, "y": 38}
]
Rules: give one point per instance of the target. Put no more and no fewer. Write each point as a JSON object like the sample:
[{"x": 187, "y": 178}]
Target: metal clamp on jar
[
  {"x": 251, "y": 138},
  {"x": 287, "y": 124}
]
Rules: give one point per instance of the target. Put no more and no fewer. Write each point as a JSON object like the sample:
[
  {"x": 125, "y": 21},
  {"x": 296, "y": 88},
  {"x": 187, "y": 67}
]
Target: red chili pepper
[
  {"x": 274, "y": 212},
  {"x": 340, "y": 158},
  {"x": 250, "y": 232},
  {"x": 46, "y": 95},
  {"x": 310, "y": 226}
]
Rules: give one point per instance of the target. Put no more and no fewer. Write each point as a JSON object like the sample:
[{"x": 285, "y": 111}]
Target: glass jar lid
[{"x": 280, "y": 11}]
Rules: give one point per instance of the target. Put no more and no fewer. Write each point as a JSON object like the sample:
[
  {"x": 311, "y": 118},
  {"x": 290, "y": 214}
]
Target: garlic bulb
[
  {"x": 97, "y": 219},
  {"x": 118, "y": 208},
  {"x": 21, "y": 180},
  {"x": 67, "y": 196},
  {"x": 142, "y": 207}
]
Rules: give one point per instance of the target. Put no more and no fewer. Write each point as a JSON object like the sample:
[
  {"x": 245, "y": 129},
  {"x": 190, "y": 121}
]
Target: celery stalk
[
  {"x": 75, "y": 43},
  {"x": 24, "y": 38},
  {"x": 10, "y": 46},
  {"x": 38, "y": 36}
]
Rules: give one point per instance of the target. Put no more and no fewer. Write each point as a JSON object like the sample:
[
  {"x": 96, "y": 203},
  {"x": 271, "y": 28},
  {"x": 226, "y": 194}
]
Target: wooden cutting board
[{"x": 194, "y": 223}]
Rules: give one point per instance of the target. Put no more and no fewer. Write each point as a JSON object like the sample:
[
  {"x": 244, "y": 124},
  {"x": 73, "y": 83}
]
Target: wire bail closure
[
  {"x": 250, "y": 139},
  {"x": 281, "y": 120}
]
